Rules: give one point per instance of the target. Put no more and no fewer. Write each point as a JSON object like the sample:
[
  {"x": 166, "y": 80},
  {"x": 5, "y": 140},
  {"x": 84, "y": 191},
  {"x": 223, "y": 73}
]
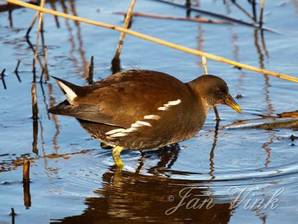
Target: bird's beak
[{"x": 232, "y": 103}]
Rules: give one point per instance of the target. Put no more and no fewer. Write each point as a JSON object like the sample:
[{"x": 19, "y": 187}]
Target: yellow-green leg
[{"x": 116, "y": 156}]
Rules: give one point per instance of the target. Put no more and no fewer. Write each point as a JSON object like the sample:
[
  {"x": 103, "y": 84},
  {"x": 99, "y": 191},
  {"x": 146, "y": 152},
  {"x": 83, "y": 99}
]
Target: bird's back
[{"x": 138, "y": 109}]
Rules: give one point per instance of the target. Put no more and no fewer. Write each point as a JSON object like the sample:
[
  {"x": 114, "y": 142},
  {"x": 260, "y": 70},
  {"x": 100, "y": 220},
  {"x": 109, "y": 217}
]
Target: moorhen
[{"x": 142, "y": 109}]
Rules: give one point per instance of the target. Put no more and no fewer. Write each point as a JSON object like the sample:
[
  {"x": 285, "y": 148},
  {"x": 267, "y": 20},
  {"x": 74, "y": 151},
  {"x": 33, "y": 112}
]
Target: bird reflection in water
[{"x": 131, "y": 197}]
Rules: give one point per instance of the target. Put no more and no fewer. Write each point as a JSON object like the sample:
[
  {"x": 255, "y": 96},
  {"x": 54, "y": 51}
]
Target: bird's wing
[
  {"x": 123, "y": 99},
  {"x": 83, "y": 112}
]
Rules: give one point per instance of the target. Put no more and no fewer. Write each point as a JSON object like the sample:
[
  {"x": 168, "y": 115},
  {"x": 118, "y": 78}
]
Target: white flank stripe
[
  {"x": 173, "y": 103},
  {"x": 136, "y": 125},
  {"x": 115, "y": 131},
  {"x": 152, "y": 117},
  {"x": 131, "y": 129},
  {"x": 162, "y": 108},
  {"x": 120, "y": 134},
  {"x": 169, "y": 104},
  {"x": 144, "y": 123}
]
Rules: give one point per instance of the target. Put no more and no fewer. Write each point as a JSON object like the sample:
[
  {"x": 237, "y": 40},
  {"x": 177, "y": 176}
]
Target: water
[{"x": 73, "y": 179}]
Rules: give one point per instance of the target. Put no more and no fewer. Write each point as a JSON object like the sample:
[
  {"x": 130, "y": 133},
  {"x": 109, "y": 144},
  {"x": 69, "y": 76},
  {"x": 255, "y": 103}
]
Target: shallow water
[{"x": 73, "y": 179}]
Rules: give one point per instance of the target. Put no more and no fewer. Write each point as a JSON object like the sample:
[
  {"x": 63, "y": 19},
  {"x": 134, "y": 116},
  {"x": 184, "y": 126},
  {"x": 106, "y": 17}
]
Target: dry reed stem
[
  {"x": 242, "y": 9},
  {"x": 40, "y": 17},
  {"x": 34, "y": 102},
  {"x": 13, "y": 216},
  {"x": 17, "y": 66},
  {"x": 26, "y": 170},
  {"x": 204, "y": 65},
  {"x": 261, "y": 17},
  {"x": 31, "y": 25},
  {"x": 159, "y": 41},
  {"x": 215, "y": 15},
  {"x": 127, "y": 22},
  {"x": 45, "y": 65},
  {"x": 91, "y": 71},
  {"x": 254, "y": 9},
  {"x": 2, "y": 76},
  {"x": 16, "y": 71}
]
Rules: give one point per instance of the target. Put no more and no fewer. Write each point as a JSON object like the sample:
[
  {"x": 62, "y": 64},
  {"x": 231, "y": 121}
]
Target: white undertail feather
[{"x": 69, "y": 93}]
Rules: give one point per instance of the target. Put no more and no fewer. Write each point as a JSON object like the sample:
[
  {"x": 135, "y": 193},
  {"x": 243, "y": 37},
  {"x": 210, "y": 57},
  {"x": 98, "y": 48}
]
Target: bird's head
[{"x": 213, "y": 91}]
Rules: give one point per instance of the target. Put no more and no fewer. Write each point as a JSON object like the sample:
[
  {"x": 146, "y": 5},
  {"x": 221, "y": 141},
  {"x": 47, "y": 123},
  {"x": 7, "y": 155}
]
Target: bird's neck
[{"x": 195, "y": 88}]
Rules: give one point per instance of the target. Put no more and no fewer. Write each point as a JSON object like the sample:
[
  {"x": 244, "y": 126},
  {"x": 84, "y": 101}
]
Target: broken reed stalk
[
  {"x": 16, "y": 71},
  {"x": 188, "y": 8},
  {"x": 205, "y": 65},
  {"x": 33, "y": 71},
  {"x": 159, "y": 41},
  {"x": 205, "y": 69},
  {"x": 91, "y": 71},
  {"x": 27, "y": 195},
  {"x": 34, "y": 119},
  {"x": 45, "y": 65},
  {"x": 242, "y": 9},
  {"x": 34, "y": 113},
  {"x": 34, "y": 102},
  {"x": 155, "y": 16},
  {"x": 262, "y": 7},
  {"x": 31, "y": 25},
  {"x": 35, "y": 136},
  {"x": 39, "y": 29},
  {"x": 254, "y": 9},
  {"x": 13, "y": 215},
  {"x": 3, "y": 78},
  {"x": 53, "y": 6},
  {"x": 26, "y": 170},
  {"x": 10, "y": 18},
  {"x": 116, "y": 67}
]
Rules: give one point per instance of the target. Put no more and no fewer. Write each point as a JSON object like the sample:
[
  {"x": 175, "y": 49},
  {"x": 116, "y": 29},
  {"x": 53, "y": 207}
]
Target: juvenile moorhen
[{"x": 142, "y": 109}]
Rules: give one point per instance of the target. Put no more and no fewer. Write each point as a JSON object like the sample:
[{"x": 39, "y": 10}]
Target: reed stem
[
  {"x": 26, "y": 170},
  {"x": 91, "y": 71},
  {"x": 128, "y": 18},
  {"x": 159, "y": 41}
]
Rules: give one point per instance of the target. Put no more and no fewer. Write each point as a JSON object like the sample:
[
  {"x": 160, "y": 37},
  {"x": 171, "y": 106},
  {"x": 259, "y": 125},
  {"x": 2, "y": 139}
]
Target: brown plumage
[{"x": 140, "y": 109}]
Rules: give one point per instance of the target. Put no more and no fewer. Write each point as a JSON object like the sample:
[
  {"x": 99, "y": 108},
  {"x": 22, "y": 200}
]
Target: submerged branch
[
  {"x": 216, "y": 15},
  {"x": 189, "y": 19}
]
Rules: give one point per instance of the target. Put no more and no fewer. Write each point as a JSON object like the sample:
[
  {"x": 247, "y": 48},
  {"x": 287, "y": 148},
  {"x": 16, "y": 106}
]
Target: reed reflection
[
  {"x": 83, "y": 67},
  {"x": 212, "y": 151},
  {"x": 262, "y": 51}
]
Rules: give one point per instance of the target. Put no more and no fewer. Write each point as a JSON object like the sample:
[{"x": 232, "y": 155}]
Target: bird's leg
[
  {"x": 116, "y": 156},
  {"x": 105, "y": 145}
]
